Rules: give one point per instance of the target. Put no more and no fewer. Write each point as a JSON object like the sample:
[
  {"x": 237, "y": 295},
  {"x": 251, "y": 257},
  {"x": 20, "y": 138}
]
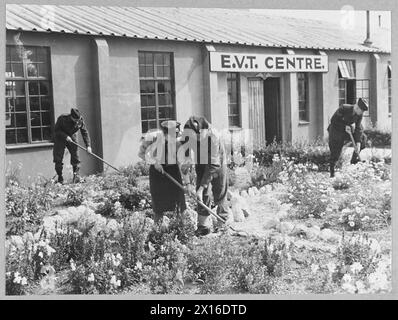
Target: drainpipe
[{"x": 367, "y": 41}]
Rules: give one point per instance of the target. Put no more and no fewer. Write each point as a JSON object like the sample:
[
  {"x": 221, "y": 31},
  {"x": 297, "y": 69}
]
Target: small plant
[{"x": 74, "y": 196}]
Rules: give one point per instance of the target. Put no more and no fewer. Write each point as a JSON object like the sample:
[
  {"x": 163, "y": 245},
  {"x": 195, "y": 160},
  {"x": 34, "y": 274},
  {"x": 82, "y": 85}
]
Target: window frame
[
  {"x": 389, "y": 90},
  {"x": 238, "y": 100},
  {"x": 26, "y": 79},
  {"x": 156, "y": 80},
  {"x": 306, "y": 96}
]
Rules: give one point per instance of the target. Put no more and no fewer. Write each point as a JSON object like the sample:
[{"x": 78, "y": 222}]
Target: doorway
[{"x": 272, "y": 110}]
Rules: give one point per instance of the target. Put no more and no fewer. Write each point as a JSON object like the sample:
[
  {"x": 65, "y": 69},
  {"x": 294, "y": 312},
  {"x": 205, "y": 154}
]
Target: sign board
[{"x": 237, "y": 62}]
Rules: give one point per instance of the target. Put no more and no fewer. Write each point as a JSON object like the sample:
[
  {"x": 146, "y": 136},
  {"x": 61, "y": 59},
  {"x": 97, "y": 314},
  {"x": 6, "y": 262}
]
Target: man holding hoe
[
  {"x": 340, "y": 131},
  {"x": 65, "y": 136}
]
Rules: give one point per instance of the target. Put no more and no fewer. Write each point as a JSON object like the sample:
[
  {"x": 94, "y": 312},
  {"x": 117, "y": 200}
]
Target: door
[
  {"x": 272, "y": 110},
  {"x": 256, "y": 111}
]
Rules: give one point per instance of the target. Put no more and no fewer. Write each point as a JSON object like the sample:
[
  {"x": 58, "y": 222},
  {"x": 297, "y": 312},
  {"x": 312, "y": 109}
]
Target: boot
[
  {"x": 354, "y": 158},
  {"x": 76, "y": 176},
  {"x": 204, "y": 225},
  {"x": 331, "y": 170},
  {"x": 58, "y": 170}
]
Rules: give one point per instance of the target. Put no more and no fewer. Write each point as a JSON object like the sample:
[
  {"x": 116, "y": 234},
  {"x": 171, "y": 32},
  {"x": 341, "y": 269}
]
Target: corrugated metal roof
[{"x": 209, "y": 25}]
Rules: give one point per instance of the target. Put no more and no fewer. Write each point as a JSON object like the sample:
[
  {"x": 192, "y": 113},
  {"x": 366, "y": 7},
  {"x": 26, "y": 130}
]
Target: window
[
  {"x": 350, "y": 88},
  {"x": 157, "y": 89},
  {"x": 362, "y": 91},
  {"x": 28, "y": 98},
  {"x": 389, "y": 89},
  {"x": 302, "y": 82},
  {"x": 346, "y": 82},
  {"x": 233, "y": 100}
]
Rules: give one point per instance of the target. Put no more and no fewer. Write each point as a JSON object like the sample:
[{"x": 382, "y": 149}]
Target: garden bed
[{"x": 305, "y": 233}]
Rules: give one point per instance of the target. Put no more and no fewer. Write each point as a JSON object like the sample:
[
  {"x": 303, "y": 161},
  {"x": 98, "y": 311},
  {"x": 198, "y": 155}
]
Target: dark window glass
[
  {"x": 233, "y": 99},
  {"x": 27, "y": 98},
  {"x": 303, "y": 94},
  {"x": 157, "y": 89}
]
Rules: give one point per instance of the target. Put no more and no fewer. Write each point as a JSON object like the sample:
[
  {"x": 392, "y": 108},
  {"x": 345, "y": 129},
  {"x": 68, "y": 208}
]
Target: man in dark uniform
[
  {"x": 339, "y": 128},
  {"x": 65, "y": 134},
  {"x": 211, "y": 171}
]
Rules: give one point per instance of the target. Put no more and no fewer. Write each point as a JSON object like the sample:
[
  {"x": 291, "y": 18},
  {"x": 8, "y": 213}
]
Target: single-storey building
[{"x": 127, "y": 69}]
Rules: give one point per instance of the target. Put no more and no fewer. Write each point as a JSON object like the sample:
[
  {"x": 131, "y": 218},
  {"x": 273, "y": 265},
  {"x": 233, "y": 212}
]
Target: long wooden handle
[
  {"x": 94, "y": 155},
  {"x": 200, "y": 202},
  {"x": 355, "y": 145}
]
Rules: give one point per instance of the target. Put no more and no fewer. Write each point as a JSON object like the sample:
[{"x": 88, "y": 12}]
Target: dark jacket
[
  {"x": 344, "y": 116},
  {"x": 216, "y": 164},
  {"x": 65, "y": 126}
]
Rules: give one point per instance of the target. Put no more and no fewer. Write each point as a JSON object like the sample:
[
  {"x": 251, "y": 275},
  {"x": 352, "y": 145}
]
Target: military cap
[
  {"x": 75, "y": 114},
  {"x": 363, "y": 104}
]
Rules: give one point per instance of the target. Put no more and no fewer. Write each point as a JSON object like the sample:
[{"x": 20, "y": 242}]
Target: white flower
[
  {"x": 351, "y": 224},
  {"x": 314, "y": 268},
  {"x": 138, "y": 265},
  {"x": 90, "y": 277},
  {"x": 331, "y": 267},
  {"x": 40, "y": 254},
  {"x": 17, "y": 280},
  {"x": 72, "y": 265},
  {"x": 356, "y": 267},
  {"x": 115, "y": 282},
  {"x": 349, "y": 287},
  {"x": 346, "y": 278},
  {"x": 24, "y": 281},
  {"x": 360, "y": 286}
]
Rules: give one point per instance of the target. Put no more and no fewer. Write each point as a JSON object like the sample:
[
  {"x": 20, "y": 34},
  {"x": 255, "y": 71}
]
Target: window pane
[
  {"x": 31, "y": 53},
  {"x": 166, "y": 71},
  {"x": 32, "y": 70},
  {"x": 44, "y": 88},
  {"x": 21, "y": 120},
  {"x": 142, "y": 72},
  {"x": 47, "y": 133},
  {"x": 35, "y": 119},
  {"x": 11, "y": 137},
  {"x": 45, "y": 119},
  {"x": 159, "y": 72},
  {"x": 33, "y": 88},
  {"x": 8, "y": 69},
  {"x": 166, "y": 59},
  {"x": 43, "y": 70},
  {"x": 36, "y": 134},
  {"x": 158, "y": 59},
  {"x": 147, "y": 87},
  {"x": 165, "y": 112},
  {"x": 42, "y": 54},
  {"x": 8, "y": 53},
  {"x": 19, "y": 88},
  {"x": 233, "y": 108},
  {"x": 17, "y": 70},
  {"x": 14, "y": 55},
  {"x": 20, "y": 104},
  {"x": 144, "y": 125},
  {"x": 151, "y": 100},
  {"x": 152, "y": 124},
  {"x": 164, "y": 99},
  {"x": 10, "y": 88},
  {"x": 10, "y": 120},
  {"x": 34, "y": 103},
  {"x": 148, "y": 58},
  {"x": 22, "y": 135},
  {"x": 45, "y": 103},
  {"x": 141, "y": 58},
  {"x": 149, "y": 71},
  {"x": 164, "y": 87}
]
